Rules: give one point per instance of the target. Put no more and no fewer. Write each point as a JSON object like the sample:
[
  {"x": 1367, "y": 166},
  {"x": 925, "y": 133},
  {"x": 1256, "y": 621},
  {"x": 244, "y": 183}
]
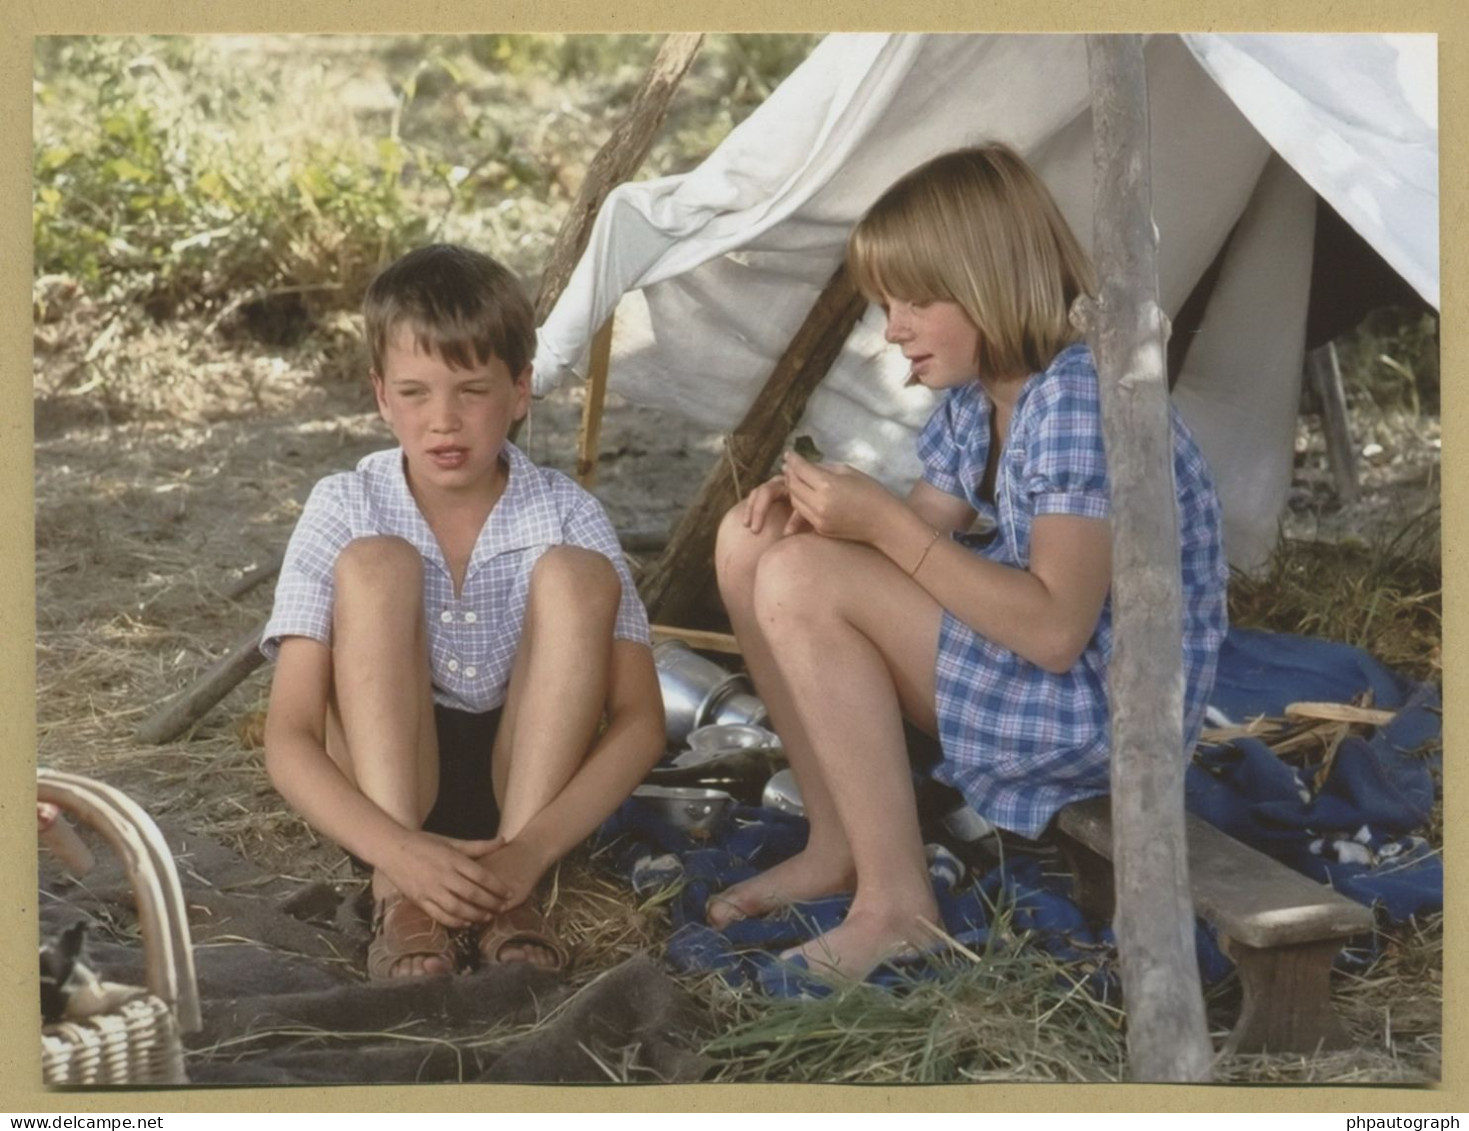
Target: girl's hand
[
  {"x": 447, "y": 877},
  {"x": 757, "y": 504},
  {"x": 836, "y": 500}
]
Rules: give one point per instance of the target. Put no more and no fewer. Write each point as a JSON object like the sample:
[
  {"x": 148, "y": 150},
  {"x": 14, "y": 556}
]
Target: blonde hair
[{"x": 979, "y": 228}]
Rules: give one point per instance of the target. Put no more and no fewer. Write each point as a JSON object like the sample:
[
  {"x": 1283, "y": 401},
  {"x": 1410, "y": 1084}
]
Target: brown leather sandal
[
  {"x": 402, "y": 929},
  {"x": 523, "y": 926}
]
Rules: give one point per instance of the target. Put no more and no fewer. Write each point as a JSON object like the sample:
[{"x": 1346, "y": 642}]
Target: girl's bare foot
[
  {"x": 865, "y": 940},
  {"x": 805, "y": 875}
]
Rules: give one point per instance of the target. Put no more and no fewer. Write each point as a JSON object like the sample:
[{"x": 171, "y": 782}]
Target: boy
[{"x": 450, "y": 625}]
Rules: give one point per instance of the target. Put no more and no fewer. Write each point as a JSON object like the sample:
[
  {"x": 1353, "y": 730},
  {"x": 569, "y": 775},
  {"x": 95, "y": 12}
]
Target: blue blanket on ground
[{"x": 1354, "y": 828}]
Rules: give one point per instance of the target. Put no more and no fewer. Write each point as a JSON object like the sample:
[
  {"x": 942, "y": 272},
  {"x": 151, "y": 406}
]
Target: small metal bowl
[
  {"x": 713, "y": 742},
  {"x": 695, "y": 811},
  {"x": 783, "y": 794}
]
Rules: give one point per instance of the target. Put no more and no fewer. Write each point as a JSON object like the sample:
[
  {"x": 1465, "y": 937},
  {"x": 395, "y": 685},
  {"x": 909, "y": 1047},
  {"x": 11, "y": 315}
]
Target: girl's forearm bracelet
[{"x": 923, "y": 557}]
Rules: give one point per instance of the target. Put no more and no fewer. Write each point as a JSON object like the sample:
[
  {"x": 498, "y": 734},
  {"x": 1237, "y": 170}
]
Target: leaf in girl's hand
[{"x": 806, "y": 448}]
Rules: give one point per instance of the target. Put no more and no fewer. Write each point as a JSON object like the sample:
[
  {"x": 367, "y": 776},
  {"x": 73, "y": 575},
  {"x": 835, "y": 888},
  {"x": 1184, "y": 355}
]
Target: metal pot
[
  {"x": 736, "y": 707},
  {"x": 690, "y": 685}
]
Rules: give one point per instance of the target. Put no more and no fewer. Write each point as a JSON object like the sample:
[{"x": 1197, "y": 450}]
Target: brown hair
[
  {"x": 460, "y": 305},
  {"x": 979, "y": 228}
]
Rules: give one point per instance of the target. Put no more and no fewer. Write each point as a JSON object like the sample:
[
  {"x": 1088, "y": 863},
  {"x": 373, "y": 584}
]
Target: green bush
[
  {"x": 199, "y": 174},
  {"x": 1392, "y": 357},
  {"x": 144, "y": 196}
]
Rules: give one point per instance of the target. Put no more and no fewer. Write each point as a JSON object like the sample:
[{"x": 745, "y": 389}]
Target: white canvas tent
[{"x": 711, "y": 273}]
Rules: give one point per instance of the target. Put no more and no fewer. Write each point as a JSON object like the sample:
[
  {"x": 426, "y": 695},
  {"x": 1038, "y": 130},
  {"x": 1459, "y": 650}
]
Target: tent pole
[
  {"x": 620, "y": 157},
  {"x": 591, "y": 409},
  {"x": 1167, "y": 1036},
  {"x": 672, "y": 586},
  {"x": 1324, "y": 372}
]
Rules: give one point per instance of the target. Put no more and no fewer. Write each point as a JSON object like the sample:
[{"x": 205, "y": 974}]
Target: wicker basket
[{"x": 139, "y": 1042}]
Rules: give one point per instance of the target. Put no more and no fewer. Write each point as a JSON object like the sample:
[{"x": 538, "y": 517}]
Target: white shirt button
[
  {"x": 471, "y": 671},
  {"x": 470, "y": 617},
  {"x": 453, "y": 665},
  {"x": 446, "y": 616}
]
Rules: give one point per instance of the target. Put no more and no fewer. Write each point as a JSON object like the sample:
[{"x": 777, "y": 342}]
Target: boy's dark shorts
[{"x": 466, "y": 806}]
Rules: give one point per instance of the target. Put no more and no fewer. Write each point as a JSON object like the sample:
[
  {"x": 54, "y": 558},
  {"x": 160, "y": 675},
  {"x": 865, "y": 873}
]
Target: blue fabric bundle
[{"x": 1354, "y": 829}]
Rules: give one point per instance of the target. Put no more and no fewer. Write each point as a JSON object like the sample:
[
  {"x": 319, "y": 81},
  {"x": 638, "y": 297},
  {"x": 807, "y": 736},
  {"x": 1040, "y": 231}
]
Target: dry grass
[{"x": 1384, "y": 595}]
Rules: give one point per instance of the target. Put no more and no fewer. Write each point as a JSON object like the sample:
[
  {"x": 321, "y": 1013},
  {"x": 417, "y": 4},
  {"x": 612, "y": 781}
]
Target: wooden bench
[{"x": 1281, "y": 929}]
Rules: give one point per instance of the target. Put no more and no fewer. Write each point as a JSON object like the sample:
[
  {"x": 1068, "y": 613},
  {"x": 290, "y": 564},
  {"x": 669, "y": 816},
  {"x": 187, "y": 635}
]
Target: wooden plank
[
  {"x": 1249, "y": 896},
  {"x": 590, "y": 432},
  {"x": 671, "y": 588},
  {"x": 620, "y": 157},
  {"x": 1167, "y": 1035},
  {"x": 698, "y": 638},
  {"x": 1258, "y": 900}
]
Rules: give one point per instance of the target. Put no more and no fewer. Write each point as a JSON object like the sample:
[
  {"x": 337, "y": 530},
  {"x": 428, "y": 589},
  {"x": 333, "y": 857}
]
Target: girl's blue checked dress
[{"x": 1019, "y": 741}]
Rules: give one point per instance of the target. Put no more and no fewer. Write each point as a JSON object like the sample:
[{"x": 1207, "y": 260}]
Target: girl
[{"x": 855, "y": 608}]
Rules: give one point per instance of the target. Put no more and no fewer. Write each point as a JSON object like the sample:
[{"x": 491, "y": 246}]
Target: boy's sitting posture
[{"x": 450, "y": 626}]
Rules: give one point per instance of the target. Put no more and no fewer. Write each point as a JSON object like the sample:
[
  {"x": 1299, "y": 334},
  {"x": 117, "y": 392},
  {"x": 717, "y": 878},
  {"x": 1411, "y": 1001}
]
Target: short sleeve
[
  {"x": 940, "y": 450},
  {"x": 1065, "y": 460},
  {"x": 304, "y": 591},
  {"x": 589, "y": 527}
]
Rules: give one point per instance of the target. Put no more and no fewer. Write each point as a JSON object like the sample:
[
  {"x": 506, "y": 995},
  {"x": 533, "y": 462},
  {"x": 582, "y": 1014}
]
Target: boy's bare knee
[
  {"x": 575, "y": 574},
  {"x": 380, "y": 561}
]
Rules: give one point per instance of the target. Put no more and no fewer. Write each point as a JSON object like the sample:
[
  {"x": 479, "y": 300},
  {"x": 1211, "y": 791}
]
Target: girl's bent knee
[
  {"x": 793, "y": 579},
  {"x": 737, "y": 551},
  {"x": 379, "y": 561}
]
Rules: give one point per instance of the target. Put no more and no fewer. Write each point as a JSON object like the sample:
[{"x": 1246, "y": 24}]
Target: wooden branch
[
  {"x": 1340, "y": 713},
  {"x": 1167, "y": 1037},
  {"x": 591, "y": 411},
  {"x": 619, "y": 159},
  {"x": 672, "y": 587},
  {"x": 191, "y": 705},
  {"x": 263, "y": 572}
]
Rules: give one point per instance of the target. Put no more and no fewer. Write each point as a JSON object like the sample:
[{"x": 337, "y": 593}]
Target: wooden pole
[
  {"x": 619, "y": 158},
  {"x": 1324, "y": 371},
  {"x": 186, "y": 709},
  {"x": 590, "y": 431},
  {"x": 673, "y": 585},
  {"x": 1167, "y": 1036}
]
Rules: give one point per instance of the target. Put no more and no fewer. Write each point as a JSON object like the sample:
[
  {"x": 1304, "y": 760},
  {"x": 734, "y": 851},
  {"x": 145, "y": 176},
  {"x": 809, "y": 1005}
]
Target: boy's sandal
[
  {"x": 401, "y": 929},
  {"x": 521, "y": 926}
]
